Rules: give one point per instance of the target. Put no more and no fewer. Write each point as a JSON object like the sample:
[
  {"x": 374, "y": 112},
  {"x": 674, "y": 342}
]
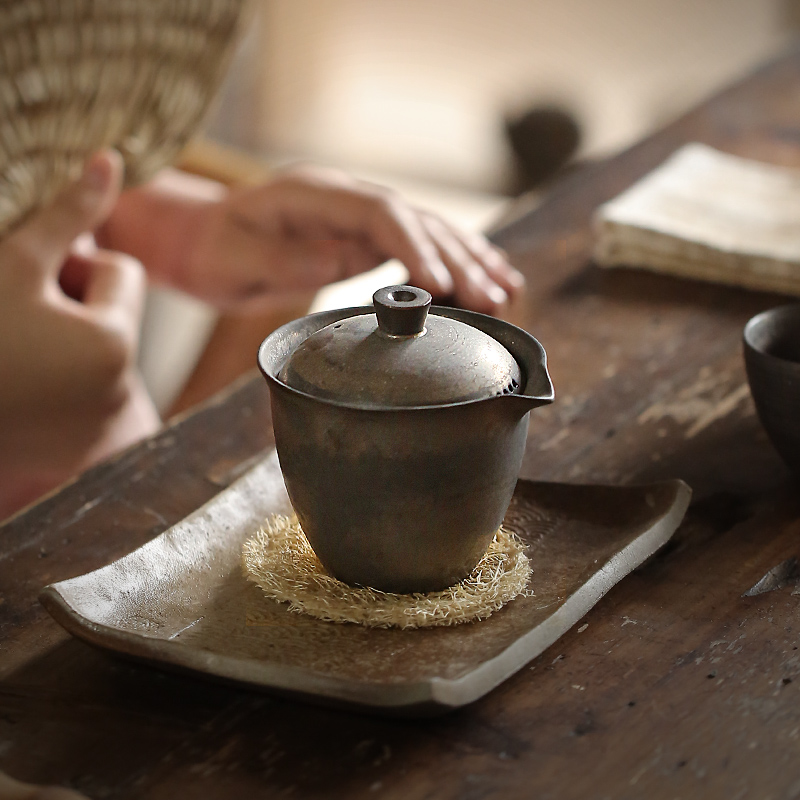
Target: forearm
[{"x": 159, "y": 222}]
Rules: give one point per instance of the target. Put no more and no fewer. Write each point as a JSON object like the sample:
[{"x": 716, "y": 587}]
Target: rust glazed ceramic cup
[
  {"x": 400, "y": 431},
  {"x": 772, "y": 359}
]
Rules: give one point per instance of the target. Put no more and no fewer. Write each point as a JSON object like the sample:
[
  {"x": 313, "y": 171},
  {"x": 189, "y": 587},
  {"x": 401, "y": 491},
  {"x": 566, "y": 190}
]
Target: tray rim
[{"x": 438, "y": 693}]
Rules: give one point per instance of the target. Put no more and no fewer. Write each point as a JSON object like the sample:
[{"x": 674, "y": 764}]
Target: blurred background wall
[{"x": 421, "y": 88}]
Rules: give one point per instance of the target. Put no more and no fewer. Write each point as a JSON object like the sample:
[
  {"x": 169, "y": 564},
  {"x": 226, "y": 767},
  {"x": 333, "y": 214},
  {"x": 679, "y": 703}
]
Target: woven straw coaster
[{"x": 280, "y": 560}]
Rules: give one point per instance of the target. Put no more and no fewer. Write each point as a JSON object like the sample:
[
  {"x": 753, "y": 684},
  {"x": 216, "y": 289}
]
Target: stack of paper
[{"x": 708, "y": 215}]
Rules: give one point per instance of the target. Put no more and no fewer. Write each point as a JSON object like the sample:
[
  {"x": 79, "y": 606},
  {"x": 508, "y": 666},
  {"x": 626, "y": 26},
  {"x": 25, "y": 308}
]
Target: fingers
[
  {"x": 473, "y": 287},
  {"x": 494, "y": 260},
  {"x": 114, "y": 291},
  {"x": 400, "y": 233},
  {"x": 42, "y": 243},
  {"x": 311, "y": 226},
  {"x": 439, "y": 258},
  {"x": 484, "y": 279},
  {"x": 315, "y": 202}
]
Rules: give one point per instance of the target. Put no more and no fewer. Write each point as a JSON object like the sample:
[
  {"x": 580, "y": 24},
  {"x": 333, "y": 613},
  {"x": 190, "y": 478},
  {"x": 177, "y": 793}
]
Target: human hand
[
  {"x": 310, "y": 226},
  {"x": 69, "y": 325}
]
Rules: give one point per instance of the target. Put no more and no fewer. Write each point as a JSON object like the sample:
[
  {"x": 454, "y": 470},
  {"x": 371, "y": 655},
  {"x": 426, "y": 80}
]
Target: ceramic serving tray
[{"x": 181, "y": 600}]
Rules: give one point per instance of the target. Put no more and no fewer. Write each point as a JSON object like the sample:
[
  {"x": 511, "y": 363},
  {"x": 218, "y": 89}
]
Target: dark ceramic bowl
[{"x": 772, "y": 358}]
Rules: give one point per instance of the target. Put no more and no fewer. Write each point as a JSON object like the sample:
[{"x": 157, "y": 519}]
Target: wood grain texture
[{"x": 677, "y": 687}]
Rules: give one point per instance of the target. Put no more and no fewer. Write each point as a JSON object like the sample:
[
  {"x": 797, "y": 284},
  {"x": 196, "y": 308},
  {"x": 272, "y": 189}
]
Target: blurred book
[{"x": 708, "y": 215}]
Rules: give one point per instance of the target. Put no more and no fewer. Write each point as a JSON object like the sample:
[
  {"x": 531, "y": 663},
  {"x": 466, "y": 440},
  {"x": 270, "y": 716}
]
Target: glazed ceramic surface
[{"x": 772, "y": 358}]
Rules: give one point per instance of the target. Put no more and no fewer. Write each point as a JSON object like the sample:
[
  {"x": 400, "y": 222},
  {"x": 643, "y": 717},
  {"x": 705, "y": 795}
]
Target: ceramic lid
[{"x": 401, "y": 356}]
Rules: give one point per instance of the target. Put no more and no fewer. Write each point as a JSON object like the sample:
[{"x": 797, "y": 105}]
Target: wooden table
[{"x": 678, "y": 687}]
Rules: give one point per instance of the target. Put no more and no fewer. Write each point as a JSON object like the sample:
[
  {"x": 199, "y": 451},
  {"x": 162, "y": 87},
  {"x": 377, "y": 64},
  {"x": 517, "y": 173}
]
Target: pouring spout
[
  {"x": 535, "y": 402},
  {"x": 537, "y": 387},
  {"x": 538, "y": 391}
]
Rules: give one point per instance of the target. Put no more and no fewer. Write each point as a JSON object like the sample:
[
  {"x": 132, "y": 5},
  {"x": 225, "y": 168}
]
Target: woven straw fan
[{"x": 80, "y": 75}]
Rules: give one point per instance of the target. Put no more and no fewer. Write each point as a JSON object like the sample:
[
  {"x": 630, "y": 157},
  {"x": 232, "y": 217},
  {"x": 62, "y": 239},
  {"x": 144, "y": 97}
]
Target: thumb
[
  {"x": 81, "y": 207},
  {"x": 115, "y": 292}
]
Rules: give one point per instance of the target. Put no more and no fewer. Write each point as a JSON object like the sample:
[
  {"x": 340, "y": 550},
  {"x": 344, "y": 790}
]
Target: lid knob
[{"x": 401, "y": 310}]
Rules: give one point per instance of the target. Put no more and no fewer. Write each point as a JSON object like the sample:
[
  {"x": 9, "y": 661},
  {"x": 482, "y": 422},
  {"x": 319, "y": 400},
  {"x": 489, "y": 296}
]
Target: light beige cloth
[{"x": 708, "y": 215}]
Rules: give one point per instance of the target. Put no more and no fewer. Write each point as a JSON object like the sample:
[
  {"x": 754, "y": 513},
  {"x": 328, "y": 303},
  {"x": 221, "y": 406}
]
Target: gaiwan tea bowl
[{"x": 400, "y": 430}]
